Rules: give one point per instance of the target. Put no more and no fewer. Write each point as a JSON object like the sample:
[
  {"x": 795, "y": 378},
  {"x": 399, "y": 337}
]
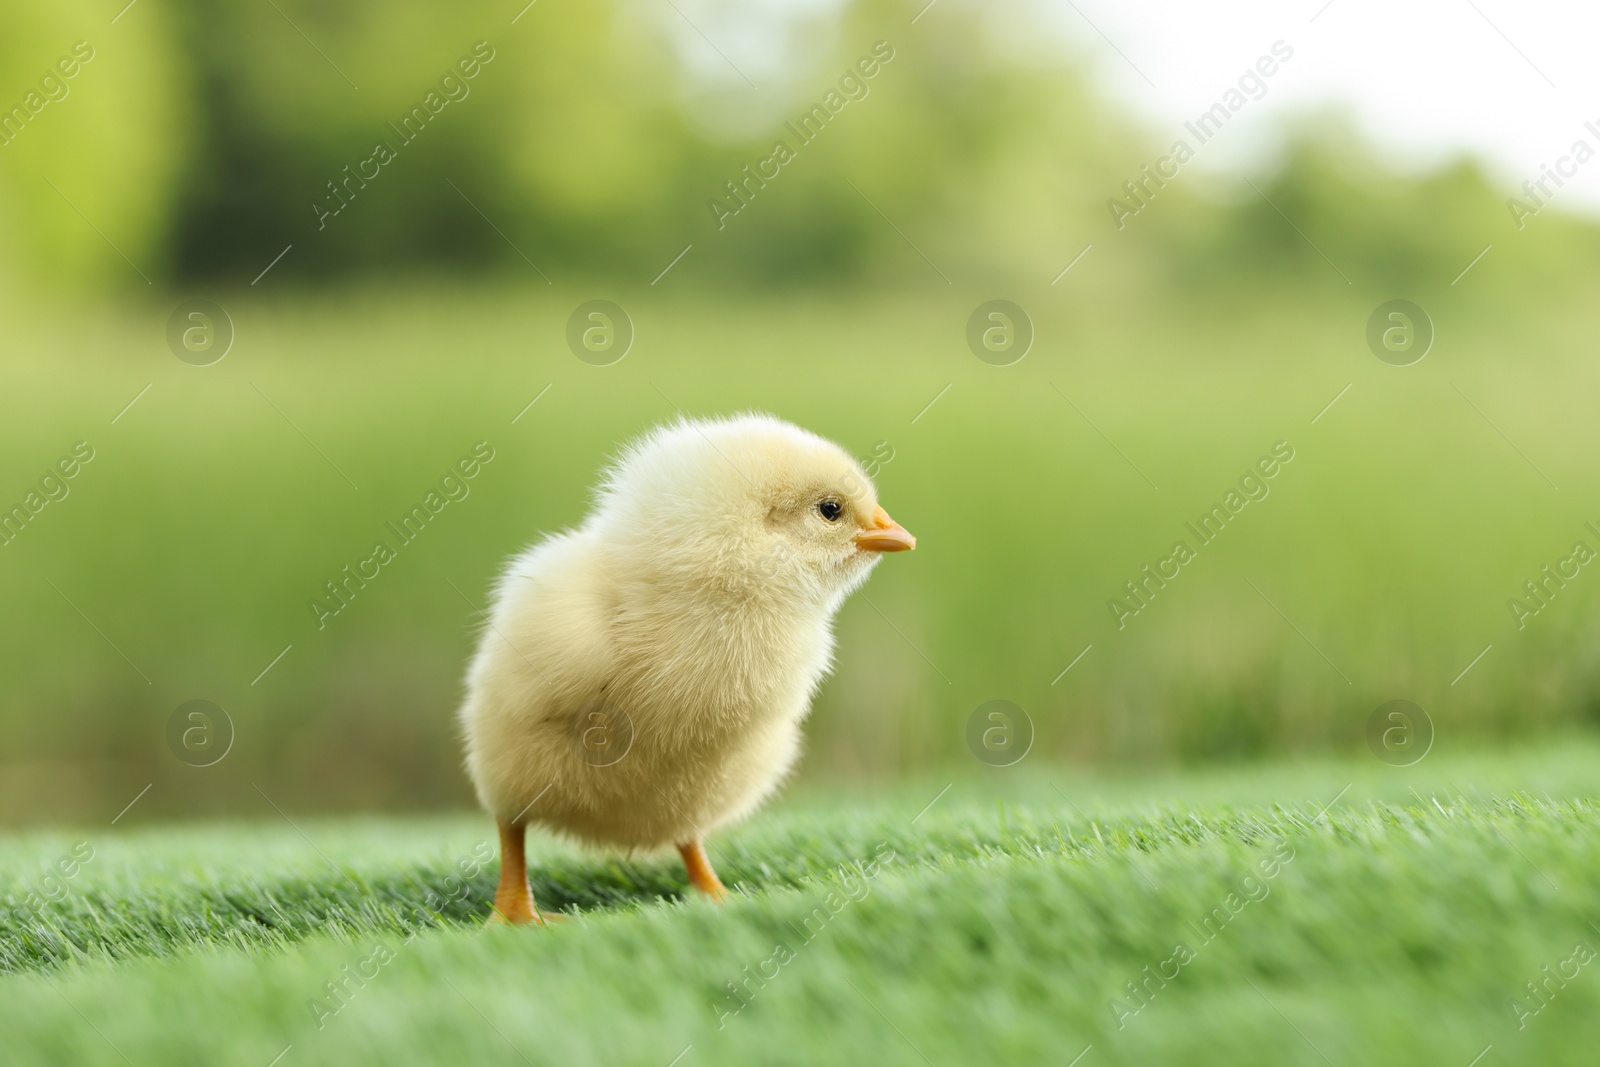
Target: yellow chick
[{"x": 642, "y": 679}]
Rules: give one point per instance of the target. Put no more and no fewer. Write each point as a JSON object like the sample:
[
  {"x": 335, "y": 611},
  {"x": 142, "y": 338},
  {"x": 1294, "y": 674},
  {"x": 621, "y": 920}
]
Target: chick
[{"x": 642, "y": 678}]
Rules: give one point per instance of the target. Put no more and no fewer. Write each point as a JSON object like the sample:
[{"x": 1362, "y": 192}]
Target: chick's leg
[
  {"x": 513, "y": 898},
  {"x": 701, "y": 876}
]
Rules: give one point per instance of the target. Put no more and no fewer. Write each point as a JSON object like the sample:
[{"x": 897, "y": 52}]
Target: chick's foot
[
  {"x": 513, "y": 897},
  {"x": 701, "y": 874}
]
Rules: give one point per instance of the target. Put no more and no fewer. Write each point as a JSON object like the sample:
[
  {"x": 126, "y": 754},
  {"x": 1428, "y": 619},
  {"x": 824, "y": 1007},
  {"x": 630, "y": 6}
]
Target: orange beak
[{"x": 885, "y": 535}]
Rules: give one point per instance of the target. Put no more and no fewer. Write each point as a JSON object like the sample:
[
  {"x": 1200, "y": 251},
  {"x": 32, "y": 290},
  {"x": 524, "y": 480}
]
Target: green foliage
[
  {"x": 592, "y": 149},
  {"x": 89, "y": 175},
  {"x": 546, "y": 128}
]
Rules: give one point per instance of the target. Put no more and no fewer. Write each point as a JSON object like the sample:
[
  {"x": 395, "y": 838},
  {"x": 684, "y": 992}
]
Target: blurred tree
[
  {"x": 583, "y": 145},
  {"x": 93, "y": 135},
  {"x": 602, "y": 138}
]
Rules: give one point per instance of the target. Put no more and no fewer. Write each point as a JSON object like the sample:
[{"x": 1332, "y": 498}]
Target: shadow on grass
[{"x": 269, "y": 913}]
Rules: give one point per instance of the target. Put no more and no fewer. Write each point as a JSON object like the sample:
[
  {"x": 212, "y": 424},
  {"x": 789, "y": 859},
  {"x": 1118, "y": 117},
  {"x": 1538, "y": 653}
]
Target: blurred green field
[
  {"x": 1332, "y": 912},
  {"x": 182, "y": 562}
]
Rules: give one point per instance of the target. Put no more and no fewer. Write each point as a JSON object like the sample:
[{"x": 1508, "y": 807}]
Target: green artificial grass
[{"x": 1027, "y": 918}]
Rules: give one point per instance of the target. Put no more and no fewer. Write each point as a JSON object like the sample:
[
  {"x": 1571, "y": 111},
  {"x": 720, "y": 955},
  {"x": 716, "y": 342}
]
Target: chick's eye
[{"x": 830, "y": 510}]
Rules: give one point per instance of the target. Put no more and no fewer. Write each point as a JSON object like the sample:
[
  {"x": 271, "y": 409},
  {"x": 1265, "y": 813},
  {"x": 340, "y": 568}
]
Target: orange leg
[
  {"x": 701, "y": 876},
  {"x": 513, "y": 898}
]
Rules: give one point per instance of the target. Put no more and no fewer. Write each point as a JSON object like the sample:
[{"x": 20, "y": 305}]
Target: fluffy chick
[{"x": 642, "y": 678}]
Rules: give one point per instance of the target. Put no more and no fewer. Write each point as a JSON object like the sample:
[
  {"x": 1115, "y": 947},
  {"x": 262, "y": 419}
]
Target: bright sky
[{"x": 1510, "y": 81}]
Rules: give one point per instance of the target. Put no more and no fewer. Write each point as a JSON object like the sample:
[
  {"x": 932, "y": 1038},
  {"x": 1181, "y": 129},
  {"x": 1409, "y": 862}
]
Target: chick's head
[{"x": 753, "y": 505}]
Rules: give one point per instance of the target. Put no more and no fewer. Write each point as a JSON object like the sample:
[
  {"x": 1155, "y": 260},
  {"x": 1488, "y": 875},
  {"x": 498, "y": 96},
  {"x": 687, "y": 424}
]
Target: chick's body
[
  {"x": 696, "y": 697},
  {"x": 642, "y": 678}
]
